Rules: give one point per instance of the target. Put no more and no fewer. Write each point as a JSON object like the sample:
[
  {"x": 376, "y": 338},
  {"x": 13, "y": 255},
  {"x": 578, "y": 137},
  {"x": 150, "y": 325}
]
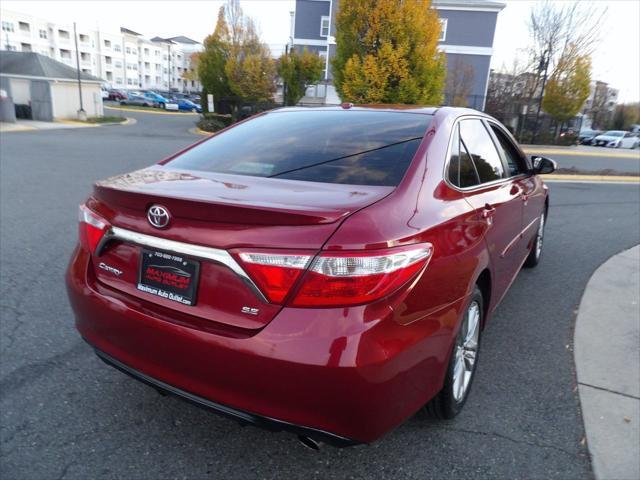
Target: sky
[{"x": 615, "y": 61}]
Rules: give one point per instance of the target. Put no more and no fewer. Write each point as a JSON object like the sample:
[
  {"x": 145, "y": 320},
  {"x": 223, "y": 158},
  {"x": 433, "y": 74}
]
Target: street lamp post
[{"x": 82, "y": 115}]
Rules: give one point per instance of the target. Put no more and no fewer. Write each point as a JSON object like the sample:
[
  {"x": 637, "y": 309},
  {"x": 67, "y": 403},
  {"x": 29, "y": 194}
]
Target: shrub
[
  {"x": 210, "y": 124},
  {"x": 226, "y": 120}
]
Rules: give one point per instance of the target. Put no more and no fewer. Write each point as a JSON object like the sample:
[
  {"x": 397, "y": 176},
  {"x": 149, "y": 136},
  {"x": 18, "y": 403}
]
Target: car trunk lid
[{"x": 222, "y": 213}]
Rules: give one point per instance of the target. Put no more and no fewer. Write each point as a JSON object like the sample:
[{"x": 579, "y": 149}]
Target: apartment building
[
  {"x": 123, "y": 59},
  {"x": 468, "y": 28}
]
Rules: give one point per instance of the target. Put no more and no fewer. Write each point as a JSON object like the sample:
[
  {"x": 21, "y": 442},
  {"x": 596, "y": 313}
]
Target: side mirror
[{"x": 543, "y": 165}]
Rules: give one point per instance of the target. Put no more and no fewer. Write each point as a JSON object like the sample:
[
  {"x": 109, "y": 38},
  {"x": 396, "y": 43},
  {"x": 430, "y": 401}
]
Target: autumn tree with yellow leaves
[
  {"x": 387, "y": 52},
  {"x": 569, "y": 86}
]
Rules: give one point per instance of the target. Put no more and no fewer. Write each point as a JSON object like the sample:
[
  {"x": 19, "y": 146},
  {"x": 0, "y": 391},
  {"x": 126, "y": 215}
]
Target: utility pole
[
  {"x": 544, "y": 64},
  {"x": 82, "y": 115}
]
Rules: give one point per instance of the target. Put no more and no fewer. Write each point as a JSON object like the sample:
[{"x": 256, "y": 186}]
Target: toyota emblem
[{"x": 158, "y": 216}]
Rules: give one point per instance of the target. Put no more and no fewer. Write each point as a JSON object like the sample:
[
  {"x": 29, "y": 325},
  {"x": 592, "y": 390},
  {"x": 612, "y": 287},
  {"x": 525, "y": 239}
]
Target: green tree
[
  {"x": 387, "y": 52},
  {"x": 250, "y": 69},
  {"x": 568, "y": 87},
  {"x": 212, "y": 61},
  {"x": 235, "y": 65},
  {"x": 298, "y": 71}
]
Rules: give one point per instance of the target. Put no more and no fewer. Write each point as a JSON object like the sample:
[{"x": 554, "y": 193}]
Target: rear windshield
[{"x": 353, "y": 147}]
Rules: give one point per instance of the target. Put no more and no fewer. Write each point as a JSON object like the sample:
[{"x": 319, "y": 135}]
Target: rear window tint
[{"x": 354, "y": 147}]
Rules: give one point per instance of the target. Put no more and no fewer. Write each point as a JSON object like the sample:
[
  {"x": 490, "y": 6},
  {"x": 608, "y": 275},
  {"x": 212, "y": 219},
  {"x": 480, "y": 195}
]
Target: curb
[
  {"x": 151, "y": 112},
  {"x": 579, "y": 153},
  {"x": 606, "y": 353},
  {"x": 19, "y": 128},
  {"x": 198, "y": 131}
]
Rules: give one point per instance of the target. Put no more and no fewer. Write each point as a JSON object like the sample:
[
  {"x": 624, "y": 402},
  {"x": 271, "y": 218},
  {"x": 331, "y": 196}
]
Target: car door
[
  {"x": 531, "y": 191},
  {"x": 628, "y": 140},
  {"x": 496, "y": 200}
]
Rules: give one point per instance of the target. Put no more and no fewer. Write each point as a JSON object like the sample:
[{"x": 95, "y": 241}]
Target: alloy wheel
[
  {"x": 466, "y": 351},
  {"x": 540, "y": 237}
]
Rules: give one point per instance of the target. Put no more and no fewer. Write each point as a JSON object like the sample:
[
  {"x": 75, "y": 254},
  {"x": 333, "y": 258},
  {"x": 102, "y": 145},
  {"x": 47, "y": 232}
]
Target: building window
[
  {"x": 146, "y": 52},
  {"x": 107, "y": 43},
  {"x": 65, "y": 53},
  {"x": 25, "y": 47},
  {"x": 128, "y": 50},
  {"x": 7, "y": 27},
  {"x": 118, "y": 64},
  {"x": 324, "y": 26},
  {"x": 443, "y": 29},
  {"x": 117, "y": 48},
  {"x": 119, "y": 81},
  {"x": 129, "y": 81},
  {"x": 85, "y": 57},
  {"x": 63, "y": 34},
  {"x": 107, "y": 60},
  {"x": 24, "y": 27},
  {"x": 43, "y": 34},
  {"x": 84, "y": 38},
  {"x": 11, "y": 48}
]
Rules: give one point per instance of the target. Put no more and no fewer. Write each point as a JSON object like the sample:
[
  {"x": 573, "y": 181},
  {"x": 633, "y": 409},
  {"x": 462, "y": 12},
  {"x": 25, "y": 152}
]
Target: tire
[
  {"x": 536, "y": 250},
  {"x": 450, "y": 400}
]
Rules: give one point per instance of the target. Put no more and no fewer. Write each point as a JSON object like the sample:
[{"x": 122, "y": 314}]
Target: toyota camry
[{"x": 325, "y": 271}]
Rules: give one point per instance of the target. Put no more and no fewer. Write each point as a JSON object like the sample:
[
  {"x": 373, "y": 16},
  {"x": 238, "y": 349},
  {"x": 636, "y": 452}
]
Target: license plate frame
[{"x": 169, "y": 276}]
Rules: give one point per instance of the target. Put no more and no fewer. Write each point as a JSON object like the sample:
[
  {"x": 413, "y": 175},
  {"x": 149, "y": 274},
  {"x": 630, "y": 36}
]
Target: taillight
[
  {"x": 335, "y": 278},
  {"x": 353, "y": 278},
  {"x": 91, "y": 228},
  {"x": 274, "y": 273}
]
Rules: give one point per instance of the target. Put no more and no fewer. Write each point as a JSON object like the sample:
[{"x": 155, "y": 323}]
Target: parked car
[
  {"x": 157, "y": 99},
  {"x": 325, "y": 271},
  {"x": 616, "y": 139},
  {"x": 586, "y": 136},
  {"x": 188, "y": 105},
  {"x": 137, "y": 100},
  {"x": 117, "y": 95}
]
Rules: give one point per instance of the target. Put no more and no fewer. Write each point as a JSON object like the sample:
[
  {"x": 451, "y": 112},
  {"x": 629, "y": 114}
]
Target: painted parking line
[
  {"x": 580, "y": 153},
  {"x": 151, "y": 112}
]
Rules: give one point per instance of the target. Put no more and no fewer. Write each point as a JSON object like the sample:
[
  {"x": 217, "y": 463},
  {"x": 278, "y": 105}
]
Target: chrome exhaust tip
[{"x": 309, "y": 443}]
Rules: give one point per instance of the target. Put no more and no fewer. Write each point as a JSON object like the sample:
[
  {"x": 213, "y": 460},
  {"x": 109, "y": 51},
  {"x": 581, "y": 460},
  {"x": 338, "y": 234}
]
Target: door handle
[
  {"x": 515, "y": 190},
  {"x": 488, "y": 211}
]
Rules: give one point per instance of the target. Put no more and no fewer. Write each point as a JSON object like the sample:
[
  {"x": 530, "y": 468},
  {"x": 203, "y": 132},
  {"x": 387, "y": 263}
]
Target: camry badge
[{"x": 158, "y": 216}]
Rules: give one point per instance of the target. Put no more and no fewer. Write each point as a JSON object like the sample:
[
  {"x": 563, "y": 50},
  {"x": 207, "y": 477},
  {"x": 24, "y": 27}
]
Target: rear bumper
[
  {"x": 343, "y": 376},
  {"x": 238, "y": 415}
]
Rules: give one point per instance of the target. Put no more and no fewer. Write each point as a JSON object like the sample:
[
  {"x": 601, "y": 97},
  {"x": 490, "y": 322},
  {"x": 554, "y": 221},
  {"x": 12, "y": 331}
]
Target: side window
[
  {"x": 482, "y": 149},
  {"x": 461, "y": 173},
  {"x": 512, "y": 156}
]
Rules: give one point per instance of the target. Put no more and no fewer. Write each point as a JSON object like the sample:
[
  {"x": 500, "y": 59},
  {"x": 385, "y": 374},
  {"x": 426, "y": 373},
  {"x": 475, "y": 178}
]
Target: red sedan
[{"x": 326, "y": 271}]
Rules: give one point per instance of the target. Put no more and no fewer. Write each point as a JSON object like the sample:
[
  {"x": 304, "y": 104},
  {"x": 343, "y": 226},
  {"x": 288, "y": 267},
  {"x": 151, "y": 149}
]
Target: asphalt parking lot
[{"x": 64, "y": 414}]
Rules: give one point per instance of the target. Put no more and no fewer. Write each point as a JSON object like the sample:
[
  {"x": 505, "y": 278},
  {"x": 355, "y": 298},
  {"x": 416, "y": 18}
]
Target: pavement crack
[
  {"x": 32, "y": 371},
  {"x": 609, "y": 390},
  {"x": 510, "y": 439}
]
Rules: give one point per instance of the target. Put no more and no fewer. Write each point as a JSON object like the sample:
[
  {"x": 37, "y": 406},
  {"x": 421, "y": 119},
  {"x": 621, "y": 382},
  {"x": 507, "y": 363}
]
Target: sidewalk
[{"x": 607, "y": 356}]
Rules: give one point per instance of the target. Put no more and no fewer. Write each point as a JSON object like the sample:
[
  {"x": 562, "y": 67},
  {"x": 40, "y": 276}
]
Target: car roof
[{"x": 364, "y": 108}]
